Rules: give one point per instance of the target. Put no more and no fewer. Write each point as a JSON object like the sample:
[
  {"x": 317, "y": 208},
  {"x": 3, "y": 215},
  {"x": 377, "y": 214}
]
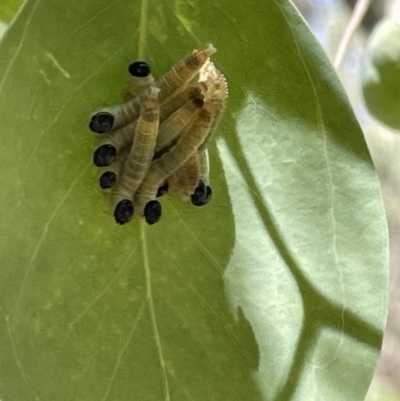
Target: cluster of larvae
[{"x": 156, "y": 142}]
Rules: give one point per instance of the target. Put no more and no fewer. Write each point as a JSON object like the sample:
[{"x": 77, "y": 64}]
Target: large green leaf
[{"x": 283, "y": 299}]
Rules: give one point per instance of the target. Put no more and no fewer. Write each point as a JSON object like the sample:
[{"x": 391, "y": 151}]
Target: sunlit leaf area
[{"x": 277, "y": 289}]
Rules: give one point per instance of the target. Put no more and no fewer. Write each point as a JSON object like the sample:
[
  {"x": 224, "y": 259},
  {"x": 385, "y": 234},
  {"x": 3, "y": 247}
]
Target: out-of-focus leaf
[
  {"x": 381, "y": 73},
  {"x": 283, "y": 299}
]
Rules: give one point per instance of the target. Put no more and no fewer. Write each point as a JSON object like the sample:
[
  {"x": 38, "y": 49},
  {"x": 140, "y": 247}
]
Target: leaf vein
[
  {"x": 330, "y": 184},
  {"x": 20, "y": 45},
  {"x": 122, "y": 352},
  {"x": 44, "y": 234},
  {"x": 14, "y": 351},
  {"x": 66, "y": 104},
  {"x": 149, "y": 295}
]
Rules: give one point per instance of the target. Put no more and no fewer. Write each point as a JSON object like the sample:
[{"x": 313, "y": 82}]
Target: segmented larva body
[
  {"x": 188, "y": 143},
  {"x": 177, "y": 122},
  {"x": 184, "y": 181},
  {"x": 117, "y": 116},
  {"x": 191, "y": 180},
  {"x": 202, "y": 193},
  {"x": 198, "y": 90},
  {"x": 204, "y": 166},
  {"x": 157, "y": 141},
  {"x": 108, "y": 175},
  {"x": 112, "y": 143},
  {"x": 183, "y": 72},
  {"x": 172, "y": 160},
  {"x": 218, "y": 87},
  {"x": 218, "y": 105},
  {"x": 141, "y": 154},
  {"x": 141, "y": 78}
]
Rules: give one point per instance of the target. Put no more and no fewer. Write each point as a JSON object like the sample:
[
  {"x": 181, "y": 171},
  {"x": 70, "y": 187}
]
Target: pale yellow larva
[
  {"x": 119, "y": 115},
  {"x": 183, "y": 72},
  {"x": 204, "y": 166},
  {"x": 177, "y": 122},
  {"x": 138, "y": 160},
  {"x": 173, "y": 104},
  {"x": 141, "y": 79},
  {"x": 202, "y": 193},
  {"x": 108, "y": 176},
  {"x": 191, "y": 180},
  {"x": 172, "y": 160},
  {"x": 218, "y": 107},
  {"x": 111, "y": 144},
  {"x": 219, "y": 93},
  {"x": 184, "y": 181}
]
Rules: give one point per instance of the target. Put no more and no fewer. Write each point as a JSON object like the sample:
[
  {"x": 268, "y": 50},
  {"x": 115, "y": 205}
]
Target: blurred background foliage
[{"x": 328, "y": 20}]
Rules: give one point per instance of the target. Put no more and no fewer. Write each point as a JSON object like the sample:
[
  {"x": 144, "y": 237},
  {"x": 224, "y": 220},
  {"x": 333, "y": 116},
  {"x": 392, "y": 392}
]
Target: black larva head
[
  {"x": 107, "y": 179},
  {"x": 202, "y": 195},
  {"x": 152, "y": 212},
  {"x": 104, "y": 155},
  {"x": 101, "y": 122},
  {"x": 139, "y": 69},
  {"x": 162, "y": 190},
  {"x": 123, "y": 212},
  {"x": 198, "y": 101}
]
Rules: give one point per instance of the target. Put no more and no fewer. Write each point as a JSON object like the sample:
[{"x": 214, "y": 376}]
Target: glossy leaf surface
[{"x": 276, "y": 290}]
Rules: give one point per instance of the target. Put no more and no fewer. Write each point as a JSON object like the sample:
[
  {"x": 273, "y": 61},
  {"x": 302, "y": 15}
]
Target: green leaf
[
  {"x": 8, "y": 9},
  {"x": 3, "y": 28},
  {"x": 381, "y": 73},
  {"x": 276, "y": 290}
]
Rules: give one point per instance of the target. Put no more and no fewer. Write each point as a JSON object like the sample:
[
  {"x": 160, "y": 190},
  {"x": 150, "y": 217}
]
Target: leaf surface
[
  {"x": 8, "y": 9},
  {"x": 276, "y": 290}
]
